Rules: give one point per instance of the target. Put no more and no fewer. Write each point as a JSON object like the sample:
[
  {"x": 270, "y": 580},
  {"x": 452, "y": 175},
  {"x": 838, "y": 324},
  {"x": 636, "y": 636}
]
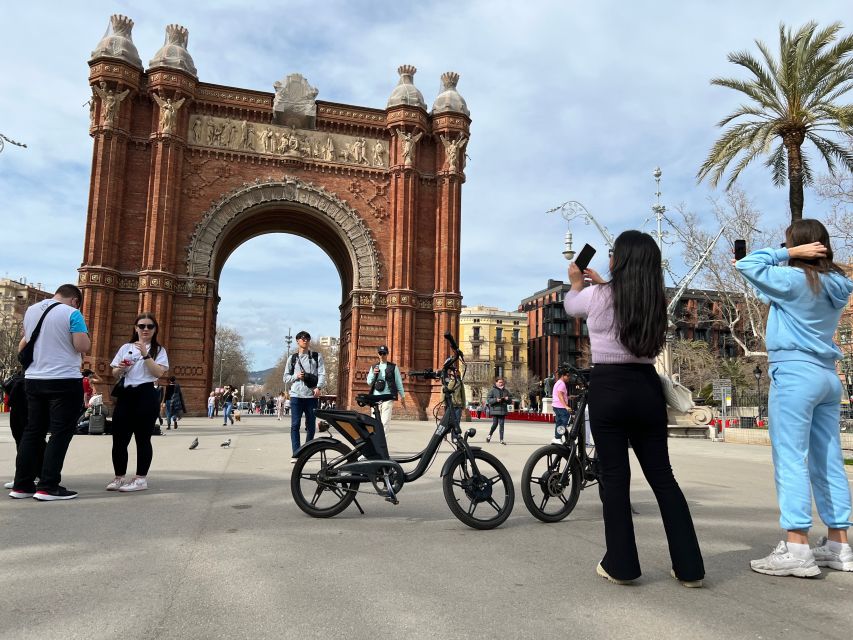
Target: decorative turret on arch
[{"x": 209, "y": 232}]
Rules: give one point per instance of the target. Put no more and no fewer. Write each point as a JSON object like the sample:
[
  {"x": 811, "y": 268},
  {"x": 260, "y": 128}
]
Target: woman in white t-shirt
[{"x": 140, "y": 363}]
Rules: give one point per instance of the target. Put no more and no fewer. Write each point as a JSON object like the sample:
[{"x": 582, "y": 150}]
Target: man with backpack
[
  {"x": 384, "y": 378},
  {"x": 305, "y": 371}
]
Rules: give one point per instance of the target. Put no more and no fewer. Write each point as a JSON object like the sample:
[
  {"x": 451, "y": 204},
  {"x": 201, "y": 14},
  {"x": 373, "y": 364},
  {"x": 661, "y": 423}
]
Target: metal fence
[{"x": 749, "y": 410}]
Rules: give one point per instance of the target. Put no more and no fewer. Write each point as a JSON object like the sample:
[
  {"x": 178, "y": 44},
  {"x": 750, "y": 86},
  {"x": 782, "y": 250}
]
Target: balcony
[
  {"x": 476, "y": 339},
  {"x": 499, "y": 339},
  {"x": 516, "y": 340},
  {"x": 501, "y": 358}
]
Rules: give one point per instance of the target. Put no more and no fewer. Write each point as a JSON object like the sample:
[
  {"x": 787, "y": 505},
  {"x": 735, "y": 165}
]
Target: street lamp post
[
  {"x": 221, "y": 364},
  {"x": 757, "y": 373},
  {"x": 288, "y": 339}
]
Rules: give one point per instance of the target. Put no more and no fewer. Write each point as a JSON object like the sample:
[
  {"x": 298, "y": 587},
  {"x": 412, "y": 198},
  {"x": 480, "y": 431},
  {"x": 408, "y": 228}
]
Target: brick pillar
[
  {"x": 402, "y": 264},
  {"x": 114, "y": 94}
]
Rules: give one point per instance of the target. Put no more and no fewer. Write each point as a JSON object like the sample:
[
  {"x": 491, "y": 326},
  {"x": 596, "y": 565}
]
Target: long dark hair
[
  {"x": 806, "y": 231},
  {"x": 639, "y": 297},
  {"x": 155, "y": 346}
]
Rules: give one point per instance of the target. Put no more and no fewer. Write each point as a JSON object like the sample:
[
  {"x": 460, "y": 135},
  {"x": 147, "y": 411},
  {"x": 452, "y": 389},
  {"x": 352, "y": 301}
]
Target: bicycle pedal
[{"x": 392, "y": 500}]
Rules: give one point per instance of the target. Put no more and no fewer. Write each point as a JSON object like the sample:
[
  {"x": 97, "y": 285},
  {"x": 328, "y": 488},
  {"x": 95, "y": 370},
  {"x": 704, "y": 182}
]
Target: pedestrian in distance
[
  {"x": 562, "y": 410},
  {"x": 305, "y": 372},
  {"x": 498, "y": 401},
  {"x": 279, "y": 405},
  {"x": 227, "y": 404},
  {"x": 175, "y": 406},
  {"x": 55, "y": 336},
  {"x": 627, "y": 324},
  {"x": 384, "y": 378},
  {"x": 211, "y": 404},
  {"x": 807, "y": 293},
  {"x": 138, "y": 364},
  {"x": 457, "y": 388},
  {"x": 157, "y": 427}
]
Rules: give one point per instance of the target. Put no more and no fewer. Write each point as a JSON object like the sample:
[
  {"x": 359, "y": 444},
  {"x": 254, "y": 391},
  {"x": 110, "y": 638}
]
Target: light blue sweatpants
[{"x": 804, "y": 407}]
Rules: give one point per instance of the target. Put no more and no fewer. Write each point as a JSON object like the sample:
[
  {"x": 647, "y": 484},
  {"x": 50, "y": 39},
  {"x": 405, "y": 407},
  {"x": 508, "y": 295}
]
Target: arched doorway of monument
[{"x": 290, "y": 285}]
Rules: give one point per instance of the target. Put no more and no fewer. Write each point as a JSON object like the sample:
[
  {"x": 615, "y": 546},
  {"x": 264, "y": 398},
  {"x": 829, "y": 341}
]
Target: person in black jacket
[
  {"x": 175, "y": 406},
  {"x": 498, "y": 401}
]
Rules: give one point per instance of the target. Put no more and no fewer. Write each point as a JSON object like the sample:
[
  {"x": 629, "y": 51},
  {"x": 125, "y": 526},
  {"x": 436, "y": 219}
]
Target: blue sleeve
[
  {"x": 399, "y": 381},
  {"x": 78, "y": 324},
  {"x": 772, "y": 282}
]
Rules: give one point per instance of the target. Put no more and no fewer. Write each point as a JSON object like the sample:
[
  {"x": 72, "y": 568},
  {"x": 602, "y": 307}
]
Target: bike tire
[
  {"x": 312, "y": 458},
  {"x": 460, "y": 483},
  {"x": 545, "y": 480}
]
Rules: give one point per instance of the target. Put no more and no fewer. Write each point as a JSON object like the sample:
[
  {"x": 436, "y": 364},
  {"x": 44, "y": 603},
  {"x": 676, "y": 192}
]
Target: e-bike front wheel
[
  {"x": 481, "y": 498},
  {"x": 551, "y": 483},
  {"x": 315, "y": 485}
]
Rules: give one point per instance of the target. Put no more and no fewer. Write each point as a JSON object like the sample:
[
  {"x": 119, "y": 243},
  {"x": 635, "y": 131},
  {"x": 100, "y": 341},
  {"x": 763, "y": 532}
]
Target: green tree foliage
[{"x": 790, "y": 100}]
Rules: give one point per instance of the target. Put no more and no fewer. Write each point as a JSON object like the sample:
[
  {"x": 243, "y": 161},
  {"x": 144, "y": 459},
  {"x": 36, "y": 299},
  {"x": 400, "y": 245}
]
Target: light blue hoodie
[{"x": 801, "y": 325}]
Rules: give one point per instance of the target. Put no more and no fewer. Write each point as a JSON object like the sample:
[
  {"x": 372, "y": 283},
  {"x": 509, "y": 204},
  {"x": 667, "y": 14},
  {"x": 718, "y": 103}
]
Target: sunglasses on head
[{"x": 144, "y": 327}]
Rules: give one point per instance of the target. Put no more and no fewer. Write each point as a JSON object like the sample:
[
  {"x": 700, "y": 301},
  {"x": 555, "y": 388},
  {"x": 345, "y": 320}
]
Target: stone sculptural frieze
[{"x": 286, "y": 142}]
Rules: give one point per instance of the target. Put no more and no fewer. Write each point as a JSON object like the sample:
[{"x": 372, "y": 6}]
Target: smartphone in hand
[
  {"x": 740, "y": 249},
  {"x": 584, "y": 257}
]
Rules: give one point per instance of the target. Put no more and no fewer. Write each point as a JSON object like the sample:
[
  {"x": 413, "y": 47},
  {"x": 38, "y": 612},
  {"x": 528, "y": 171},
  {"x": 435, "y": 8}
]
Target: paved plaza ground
[{"x": 217, "y": 549}]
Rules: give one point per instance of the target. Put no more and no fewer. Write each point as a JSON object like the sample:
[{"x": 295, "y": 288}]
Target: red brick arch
[{"x": 170, "y": 202}]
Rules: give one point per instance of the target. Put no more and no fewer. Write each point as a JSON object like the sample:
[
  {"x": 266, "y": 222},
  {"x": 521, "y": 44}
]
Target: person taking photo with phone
[
  {"x": 138, "y": 364},
  {"x": 807, "y": 293},
  {"x": 627, "y": 322}
]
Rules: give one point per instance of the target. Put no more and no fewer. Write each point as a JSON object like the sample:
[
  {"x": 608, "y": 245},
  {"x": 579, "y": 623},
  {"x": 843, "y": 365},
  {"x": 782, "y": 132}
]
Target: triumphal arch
[{"x": 183, "y": 172}]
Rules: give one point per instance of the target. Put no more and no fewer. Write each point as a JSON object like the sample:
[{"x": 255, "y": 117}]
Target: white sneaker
[
  {"x": 293, "y": 461},
  {"x": 137, "y": 484},
  {"x": 826, "y": 557},
  {"x": 9, "y": 485},
  {"x": 116, "y": 484},
  {"x": 783, "y": 563}
]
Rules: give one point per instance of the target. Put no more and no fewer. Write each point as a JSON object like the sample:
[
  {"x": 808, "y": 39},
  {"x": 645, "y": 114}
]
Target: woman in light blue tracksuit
[{"x": 806, "y": 297}]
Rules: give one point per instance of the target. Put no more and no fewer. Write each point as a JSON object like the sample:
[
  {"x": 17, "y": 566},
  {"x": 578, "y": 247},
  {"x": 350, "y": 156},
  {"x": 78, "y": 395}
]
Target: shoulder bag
[
  {"x": 677, "y": 395},
  {"x": 27, "y": 354}
]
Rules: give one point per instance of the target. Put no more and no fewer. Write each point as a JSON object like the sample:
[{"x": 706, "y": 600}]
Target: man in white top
[
  {"x": 305, "y": 372},
  {"x": 54, "y": 386},
  {"x": 384, "y": 378}
]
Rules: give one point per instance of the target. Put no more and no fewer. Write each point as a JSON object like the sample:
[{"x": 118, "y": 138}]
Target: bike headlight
[{"x": 561, "y": 430}]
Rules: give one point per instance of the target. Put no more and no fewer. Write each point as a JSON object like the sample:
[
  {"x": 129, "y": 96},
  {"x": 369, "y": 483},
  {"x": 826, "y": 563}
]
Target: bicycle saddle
[{"x": 368, "y": 400}]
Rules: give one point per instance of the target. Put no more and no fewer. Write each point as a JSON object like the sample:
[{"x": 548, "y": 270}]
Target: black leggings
[
  {"x": 497, "y": 421},
  {"x": 626, "y": 404},
  {"x": 135, "y": 412}
]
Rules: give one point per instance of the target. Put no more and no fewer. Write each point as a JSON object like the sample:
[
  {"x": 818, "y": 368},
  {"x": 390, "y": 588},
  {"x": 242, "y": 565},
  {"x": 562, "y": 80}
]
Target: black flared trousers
[{"x": 626, "y": 405}]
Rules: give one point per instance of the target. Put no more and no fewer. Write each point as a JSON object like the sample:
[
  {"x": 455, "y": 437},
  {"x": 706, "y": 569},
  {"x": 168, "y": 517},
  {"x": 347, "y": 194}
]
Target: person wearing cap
[
  {"x": 384, "y": 377},
  {"x": 305, "y": 371}
]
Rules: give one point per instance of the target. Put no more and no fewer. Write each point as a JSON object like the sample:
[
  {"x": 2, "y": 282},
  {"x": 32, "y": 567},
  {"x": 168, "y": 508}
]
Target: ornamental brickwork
[{"x": 183, "y": 172}]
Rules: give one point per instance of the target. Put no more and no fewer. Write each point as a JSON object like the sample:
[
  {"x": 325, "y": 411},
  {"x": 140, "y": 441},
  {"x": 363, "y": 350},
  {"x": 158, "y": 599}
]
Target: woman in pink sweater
[{"x": 627, "y": 321}]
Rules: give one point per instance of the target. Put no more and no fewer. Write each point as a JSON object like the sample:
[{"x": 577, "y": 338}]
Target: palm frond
[
  {"x": 831, "y": 151},
  {"x": 764, "y": 82},
  {"x": 807, "y": 168},
  {"x": 778, "y": 164},
  {"x": 753, "y": 90}
]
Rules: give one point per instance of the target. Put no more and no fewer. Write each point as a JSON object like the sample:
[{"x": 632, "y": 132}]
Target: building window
[
  {"x": 499, "y": 333},
  {"x": 475, "y": 352},
  {"x": 516, "y": 334},
  {"x": 499, "y": 352},
  {"x": 476, "y": 333},
  {"x": 516, "y": 354}
]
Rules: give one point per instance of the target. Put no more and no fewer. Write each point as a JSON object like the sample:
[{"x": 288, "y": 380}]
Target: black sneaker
[{"x": 60, "y": 493}]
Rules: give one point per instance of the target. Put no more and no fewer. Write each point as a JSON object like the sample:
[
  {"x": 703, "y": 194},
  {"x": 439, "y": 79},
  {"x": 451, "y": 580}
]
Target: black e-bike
[
  {"x": 328, "y": 473},
  {"x": 555, "y": 474}
]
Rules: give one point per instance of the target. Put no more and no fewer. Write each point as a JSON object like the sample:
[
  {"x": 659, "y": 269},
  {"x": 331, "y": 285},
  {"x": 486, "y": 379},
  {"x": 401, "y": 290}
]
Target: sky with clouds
[{"x": 569, "y": 101}]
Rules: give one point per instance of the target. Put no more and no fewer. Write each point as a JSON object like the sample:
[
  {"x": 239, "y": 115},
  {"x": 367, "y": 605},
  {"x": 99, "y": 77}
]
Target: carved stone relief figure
[
  {"x": 168, "y": 112},
  {"x": 110, "y": 102},
  {"x": 92, "y": 112},
  {"x": 452, "y": 148},
  {"x": 329, "y": 150},
  {"x": 267, "y": 138},
  {"x": 197, "y": 129},
  {"x": 409, "y": 142},
  {"x": 378, "y": 153}
]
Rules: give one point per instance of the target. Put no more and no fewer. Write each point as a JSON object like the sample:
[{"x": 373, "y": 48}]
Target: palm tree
[{"x": 790, "y": 101}]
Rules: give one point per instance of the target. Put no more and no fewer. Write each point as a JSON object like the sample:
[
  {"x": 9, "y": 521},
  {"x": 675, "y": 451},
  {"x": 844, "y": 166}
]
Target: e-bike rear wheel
[
  {"x": 315, "y": 485},
  {"x": 550, "y": 492},
  {"x": 482, "y": 499}
]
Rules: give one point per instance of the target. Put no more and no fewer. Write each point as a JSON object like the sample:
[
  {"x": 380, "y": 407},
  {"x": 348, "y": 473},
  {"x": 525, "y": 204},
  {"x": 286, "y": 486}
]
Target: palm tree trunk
[{"x": 795, "y": 177}]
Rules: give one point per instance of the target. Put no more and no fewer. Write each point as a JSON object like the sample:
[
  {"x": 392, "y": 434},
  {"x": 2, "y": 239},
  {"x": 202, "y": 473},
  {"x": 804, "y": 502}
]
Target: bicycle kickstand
[{"x": 355, "y": 501}]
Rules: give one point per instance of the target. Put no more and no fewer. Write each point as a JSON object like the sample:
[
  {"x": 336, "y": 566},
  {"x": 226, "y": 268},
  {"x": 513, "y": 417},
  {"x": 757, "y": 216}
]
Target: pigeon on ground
[
  {"x": 194, "y": 444},
  {"x": 227, "y": 443}
]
